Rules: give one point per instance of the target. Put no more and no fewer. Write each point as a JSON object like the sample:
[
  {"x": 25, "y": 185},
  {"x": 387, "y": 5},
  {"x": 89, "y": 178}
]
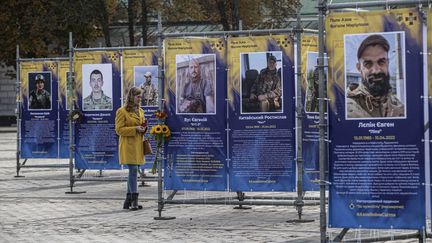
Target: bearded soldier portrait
[
  {"x": 197, "y": 95},
  {"x": 373, "y": 96}
]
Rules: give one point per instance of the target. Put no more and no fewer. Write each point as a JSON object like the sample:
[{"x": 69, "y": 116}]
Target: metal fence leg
[
  {"x": 18, "y": 169},
  {"x": 142, "y": 176},
  {"x": 241, "y": 198},
  {"x": 341, "y": 235}
]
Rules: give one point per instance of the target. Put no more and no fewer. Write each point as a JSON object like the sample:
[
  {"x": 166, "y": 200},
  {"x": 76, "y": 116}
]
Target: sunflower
[
  {"x": 158, "y": 129},
  {"x": 160, "y": 133},
  {"x": 153, "y": 130},
  {"x": 165, "y": 129}
]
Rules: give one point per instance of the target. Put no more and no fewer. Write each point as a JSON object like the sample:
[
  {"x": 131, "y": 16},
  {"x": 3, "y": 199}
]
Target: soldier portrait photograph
[
  {"x": 146, "y": 78},
  {"x": 261, "y": 82},
  {"x": 67, "y": 88},
  {"x": 312, "y": 82},
  {"x": 196, "y": 84},
  {"x": 375, "y": 76},
  {"x": 39, "y": 97},
  {"x": 97, "y": 87}
]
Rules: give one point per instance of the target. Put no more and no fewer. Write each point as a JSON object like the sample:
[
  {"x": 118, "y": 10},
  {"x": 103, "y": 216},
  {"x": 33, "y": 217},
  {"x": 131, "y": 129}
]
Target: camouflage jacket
[
  {"x": 104, "y": 103},
  {"x": 361, "y": 104},
  {"x": 39, "y": 100},
  {"x": 149, "y": 95},
  {"x": 267, "y": 83},
  {"x": 194, "y": 94}
]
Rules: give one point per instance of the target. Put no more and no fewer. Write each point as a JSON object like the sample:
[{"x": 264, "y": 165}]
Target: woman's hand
[{"x": 141, "y": 129}]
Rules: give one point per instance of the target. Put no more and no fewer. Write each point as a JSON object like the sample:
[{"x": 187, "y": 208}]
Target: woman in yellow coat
[{"x": 130, "y": 125}]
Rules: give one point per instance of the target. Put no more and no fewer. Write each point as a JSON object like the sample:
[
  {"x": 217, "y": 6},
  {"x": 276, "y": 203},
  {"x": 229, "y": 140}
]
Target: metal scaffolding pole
[
  {"x": 121, "y": 48},
  {"x": 226, "y": 33},
  {"x": 226, "y": 201},
  {"x": 322, "y": 126},
  {"x": 70, "y": 93},
  {"x": 161, "y": 200},
  {"x": 18, "y": 111},
  {"x": 71, "y": 107},
  {"x": 54, "y": 59},
  {"x": 113, "y": 179},
  {"x": 299, "y": 115},
  {"x": 237, "y": 32},
  {"x": 386, "y": 3}
]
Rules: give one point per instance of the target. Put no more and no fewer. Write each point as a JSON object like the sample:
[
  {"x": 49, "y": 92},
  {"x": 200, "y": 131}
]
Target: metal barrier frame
[
  {"x": 20, "y": 165},
  {"x": 323, "y": 8},
  {"x": 298, "y": 202},
  {"x": 71, "y": 79}
]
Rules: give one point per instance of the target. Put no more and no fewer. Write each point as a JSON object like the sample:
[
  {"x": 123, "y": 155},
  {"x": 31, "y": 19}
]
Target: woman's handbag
[{"x": 147, "y": 147}]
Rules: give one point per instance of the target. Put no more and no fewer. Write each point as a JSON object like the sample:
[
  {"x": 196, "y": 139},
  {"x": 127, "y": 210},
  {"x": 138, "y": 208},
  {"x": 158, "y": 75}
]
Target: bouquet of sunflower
[{"x": 160, "y": 133}]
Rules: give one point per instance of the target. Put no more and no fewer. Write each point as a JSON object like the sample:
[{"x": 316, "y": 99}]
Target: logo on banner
[
  {"x": 409, "y": 18},
  {"x": 52, "y": 66},
  {"x": 219, "y": 45},
  {"x": 283, "y": 42},
  {"x": 113, "y": 57}
]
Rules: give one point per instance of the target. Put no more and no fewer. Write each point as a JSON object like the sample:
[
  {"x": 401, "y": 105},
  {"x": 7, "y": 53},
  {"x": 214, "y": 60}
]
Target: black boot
[
  {"x": 135, "y": 205},
  {"x": 127, "y": 203}
]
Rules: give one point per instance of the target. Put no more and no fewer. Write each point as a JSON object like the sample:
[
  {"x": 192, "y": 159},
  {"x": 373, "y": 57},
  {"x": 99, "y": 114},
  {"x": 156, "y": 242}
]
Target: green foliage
[
  {"x": 41, "y": 27},
  {"x": 253, "y": 13},
  {"x": 278, "y": 11}
]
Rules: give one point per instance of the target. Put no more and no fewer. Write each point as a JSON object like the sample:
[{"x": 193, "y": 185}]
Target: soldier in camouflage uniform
[
  {"x": 373, "y": 97},
  {"x": 97, "y": 100},
  {"x": 149, "y": 91},
  {"x": 39, "y": 98},
  {"x": 314, "y": 88},
  {"x": 266, "y": 90},
  {"x": 197, "y": 95}
]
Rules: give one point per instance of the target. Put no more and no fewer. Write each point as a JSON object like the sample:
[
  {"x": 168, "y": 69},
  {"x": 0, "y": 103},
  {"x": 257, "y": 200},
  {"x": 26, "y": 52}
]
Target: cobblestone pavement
[{"x": 36, "y": 208}]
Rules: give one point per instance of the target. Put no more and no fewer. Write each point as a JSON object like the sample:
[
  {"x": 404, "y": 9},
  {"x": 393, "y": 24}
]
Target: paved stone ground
[{"x": 35, "y": 208}]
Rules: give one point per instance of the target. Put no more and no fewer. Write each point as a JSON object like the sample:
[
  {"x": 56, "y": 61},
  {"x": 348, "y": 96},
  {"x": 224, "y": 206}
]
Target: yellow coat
[{"x": 131, "y": 149}]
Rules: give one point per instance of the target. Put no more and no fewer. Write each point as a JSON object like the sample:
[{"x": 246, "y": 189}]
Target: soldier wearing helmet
[{"x": 39, "y": 98}]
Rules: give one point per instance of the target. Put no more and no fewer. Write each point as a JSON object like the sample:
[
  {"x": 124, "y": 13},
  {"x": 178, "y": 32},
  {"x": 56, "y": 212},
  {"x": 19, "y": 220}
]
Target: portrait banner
[
  {"x": 64, "y": 101},
  {"x": 428, "y": 93},
  {"x": 310, "y": 121},
  {"x": 39, "y": 111},
  {"x": 140, "y": 69},
  {"x": 261, "y": 113},
  {"x": 98, "y": 94},
  {"x": 376, "y": 158},
  {"x": 195, "y": 92}
]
